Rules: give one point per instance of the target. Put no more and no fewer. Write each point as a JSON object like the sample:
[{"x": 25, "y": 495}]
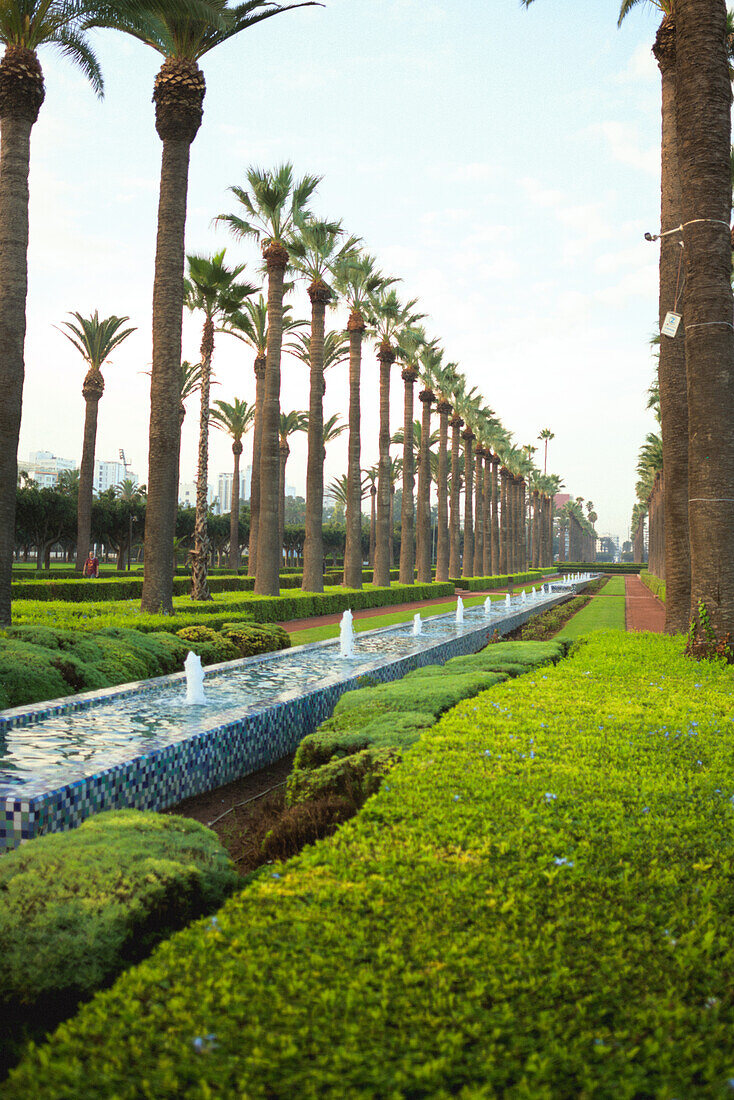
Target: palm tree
[
  {"x": 430, "y": 364},
  {"x": 213, "y": 288},
  {"x": 408, "y": 350},
  {"x": 235, "y": 419},
  {"x": 371, "y": 479},
  {"x": 250, "y": 325},
  {"x": 272, "y": 207},
  {"x": 129, "y": 490},
  {"x": 182, "y": 31},
  {"x": 25, "y": 25},
  {"x": 316, "y": 248},
  {"x": 446, "y": 376},
  {"x": 356, "y": 279},
  {"x": 290, "y": 423},
  {"x": 703, "y": 101},
  {"x": 468, "y": 406},
  {"x": 545, "y": 436},
  {"x": 459, "y": 394},
  {"x": 388, "y": 316},
  {"x": 95, "y": 340},
  {"x": 395, "y": 473}
]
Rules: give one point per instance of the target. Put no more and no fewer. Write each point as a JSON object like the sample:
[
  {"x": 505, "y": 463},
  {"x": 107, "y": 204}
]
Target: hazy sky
[{"x": 503, "y": 163}]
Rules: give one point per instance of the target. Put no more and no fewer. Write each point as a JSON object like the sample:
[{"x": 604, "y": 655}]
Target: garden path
[{"x": 643, "y": 611}]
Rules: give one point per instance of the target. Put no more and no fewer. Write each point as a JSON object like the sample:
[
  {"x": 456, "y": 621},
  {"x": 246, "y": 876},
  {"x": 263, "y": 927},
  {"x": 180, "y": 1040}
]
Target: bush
[
  {"x": 79, "y": 907},
  {"x": 503, "y": 580},
  {"x": 213, "y": 648},
  {"x": 598, "y": 567},
  {"x": 655, "y": 584},
  {"x": 253, "y": 639}
]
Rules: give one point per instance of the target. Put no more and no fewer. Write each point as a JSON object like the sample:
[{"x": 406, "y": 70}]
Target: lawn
[{"x": 604, "y": 612}]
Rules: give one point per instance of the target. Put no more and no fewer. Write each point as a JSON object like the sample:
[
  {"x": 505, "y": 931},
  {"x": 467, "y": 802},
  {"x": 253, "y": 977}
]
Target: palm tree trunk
[
  {"x": 257, "y": 434},
  {"x": 391, "y": 540},
  {"x": 424, "y": 491},
  {"x": 93, "y": 387},
  {"x": 313, "y": 549},
  {"x": 269, "y": 547},
  {"x": 468, "y": 560},
  {"x": 373, "y": 526},
  {"x": 234, "y": 510},
  {"x": 407, "y": 549},
  {"x": 504, "y": 522},
  {"x": 283, "y": 452},
  {"x": 178, "y": 117},
  {"x": 495, "y": 567},
  {"x": 353, "y": 547},
  {"x": 21, "y": 96},
  {"x": 442, "y": 540},
  {"x": 523, "y": 530},
  {"x": 487, "y": 532},
  {"x": 200, "y": 553},
  {"x": 454, "y": 520},
  {"x": 386, "y": 356},
  {"x": 479, "y": 513},
  {"x": 535, "y": 530},
  {"x": 672, "y": 357}
]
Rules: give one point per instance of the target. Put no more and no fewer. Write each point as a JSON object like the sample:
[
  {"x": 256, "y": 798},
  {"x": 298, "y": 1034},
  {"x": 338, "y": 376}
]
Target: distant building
[
  {"x": 561, "y": 499},
  {"x": 108, "y": 475},
  {"x": 45, "y": 467},
  {"x": 224, "y": 490},
  {"x": 187, "y": 494}
]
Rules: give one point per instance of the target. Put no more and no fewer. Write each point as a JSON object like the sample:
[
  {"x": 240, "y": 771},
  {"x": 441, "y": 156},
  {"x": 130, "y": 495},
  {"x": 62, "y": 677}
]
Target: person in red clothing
[{"x": 91, "y": 566}]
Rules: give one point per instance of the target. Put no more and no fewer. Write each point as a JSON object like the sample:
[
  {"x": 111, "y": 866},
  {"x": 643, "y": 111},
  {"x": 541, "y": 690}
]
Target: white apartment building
[
  {"x": 187, "y": 494},
  {"x": 224, "y": 490},
  {"x": 107, "y": 475},
  {"x": 45, "y": 467}
]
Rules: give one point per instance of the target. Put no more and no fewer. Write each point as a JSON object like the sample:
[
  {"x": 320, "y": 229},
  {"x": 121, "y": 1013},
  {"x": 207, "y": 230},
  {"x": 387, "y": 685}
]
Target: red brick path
[{"x": 643, "y": 611}]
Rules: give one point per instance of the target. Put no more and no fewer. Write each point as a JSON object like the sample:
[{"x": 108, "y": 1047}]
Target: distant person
[{"x": 91, "y": 566}]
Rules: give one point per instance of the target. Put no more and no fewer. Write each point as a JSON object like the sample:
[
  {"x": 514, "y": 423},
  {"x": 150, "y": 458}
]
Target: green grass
[
  {"x": 602, "y": 613},
  {"x": 376, "y": 622},
  {"x": 536, "y": 904},
  {"x": 614, "y": 587}
]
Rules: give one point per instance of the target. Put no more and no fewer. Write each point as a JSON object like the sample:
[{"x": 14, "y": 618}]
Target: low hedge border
[
  {"x": 227, "y": 607},
  {"x": 537, "y": 903},
  {"x": 479, "y": 584},
  {"x": 79, "y": 907},
  {"x": 655, "y": 584},
  {"x": 598, "y": 567}
]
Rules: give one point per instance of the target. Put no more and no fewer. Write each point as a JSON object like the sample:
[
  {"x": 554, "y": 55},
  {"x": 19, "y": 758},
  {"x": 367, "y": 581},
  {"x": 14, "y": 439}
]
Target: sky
[{"x": 503, "y": 163}]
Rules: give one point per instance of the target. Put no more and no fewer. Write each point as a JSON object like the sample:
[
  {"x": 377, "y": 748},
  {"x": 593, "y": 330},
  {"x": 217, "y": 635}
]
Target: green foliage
[
  {"x": 598, "y": 567},
  {"x": 79, "y": 907},
  {"x": 655, "y": 584},
  {"x": 502, "y": 580},
  {"x": 606, "y": 612},
  {"x": 256, "y": 638},
  {"x": 355, "y": 777},
  {"x": 213, "y": 648}
]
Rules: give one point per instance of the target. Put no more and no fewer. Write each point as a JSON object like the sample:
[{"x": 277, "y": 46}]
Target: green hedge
[
  {"x": 79, "y": 907},
  {"x": 597, "y": 567},
  {"x": 41, "y": 662},
  {"x": 225, "y": 608},
  {"x": 656, "y": 586},
  {"x": 502, "y": 580},
  {"x": 537, "y": 903}
]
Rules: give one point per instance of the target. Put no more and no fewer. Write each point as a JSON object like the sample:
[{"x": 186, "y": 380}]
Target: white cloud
[{"x": 626, "y": 146}]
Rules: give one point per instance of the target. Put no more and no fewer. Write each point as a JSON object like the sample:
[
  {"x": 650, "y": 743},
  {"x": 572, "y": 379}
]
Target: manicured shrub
[
  {"x": 502, "y": 580},
  {"x": 256, "y": 638},
  {"x": 27, "y": 674},
  {"x": 355, "y": 777},
  {"x": 655, "y": 584},
  {"x": 213, "y": 648},
  {"x": 79, "y": 907}
]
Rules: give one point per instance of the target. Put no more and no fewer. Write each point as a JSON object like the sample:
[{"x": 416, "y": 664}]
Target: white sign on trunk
[{"x": 670, "y": 324}]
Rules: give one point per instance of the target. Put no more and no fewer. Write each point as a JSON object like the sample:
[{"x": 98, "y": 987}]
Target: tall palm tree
[
  {"x": 468, "y": 406},
  {"x": 250, "y": 325},
  {"x": 388, "y": 316},
  {"x": 673, "y": 394},
  {"x": 703, "y": 103},
  {"x": 408, "y": 351},
  {"x": 25, "y": 26},
  {"x": 290, "y": 423},
  {"x": 316, "y": 247},
  {"x": 371, "y": 479},
  {"x": 129, "y": 490},
  {"x": 545, "y": 437},
  {"x": 213, "y": 289},
  {"x": 430, "y": 358},
  {"x": 446, "y": 375},
  {"x": 95, "y": 340},
  {"x": 182, "y": 32},
  {"x": 356, "y": 279},
  {"x": 236, "y": 419},
  {"x": 459, "y": 394},
  {"x": 272, "y": 205}
]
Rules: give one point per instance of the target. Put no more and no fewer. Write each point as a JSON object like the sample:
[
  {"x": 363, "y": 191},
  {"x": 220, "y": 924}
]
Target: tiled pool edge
[{"x": 264, "y": 734}]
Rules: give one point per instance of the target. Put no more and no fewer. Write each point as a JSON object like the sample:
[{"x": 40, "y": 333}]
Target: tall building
[
  {"x": 107, "y": 475},
  {"x": 224, "y": 490},
  {"x": 187, "y": 494},
  {"x": 45, "y": 467}
]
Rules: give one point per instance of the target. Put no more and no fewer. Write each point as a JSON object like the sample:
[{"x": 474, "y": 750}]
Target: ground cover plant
[
  {"x": 79, "y": 907},
  {"x": 40, "y": 662},
  {"x": 537, "y": 903}
]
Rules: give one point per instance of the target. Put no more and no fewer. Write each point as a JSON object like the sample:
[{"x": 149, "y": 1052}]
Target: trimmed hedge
[
  {"x": 79, "y": 907},
  {"x": 656, "y": 586},
  {"x": 537, "y": 903},
  {"x": 226, "y": 608},
  {"x": 371, "y": 727},
  {"x": 598, "y": 567},
  {"x": 40, "y": 662},
  {"x": 502, "y": 580}
]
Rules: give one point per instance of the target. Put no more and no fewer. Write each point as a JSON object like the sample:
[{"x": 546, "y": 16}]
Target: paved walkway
[
  {"x": 643, "y": 611},
  {"x": 390, "y": 609}
]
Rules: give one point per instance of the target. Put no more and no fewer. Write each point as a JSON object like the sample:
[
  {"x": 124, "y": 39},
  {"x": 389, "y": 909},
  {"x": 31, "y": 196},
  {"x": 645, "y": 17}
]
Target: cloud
[
  {"x": 625, "y": 144},
  {"x": 641, "y": 67}
]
